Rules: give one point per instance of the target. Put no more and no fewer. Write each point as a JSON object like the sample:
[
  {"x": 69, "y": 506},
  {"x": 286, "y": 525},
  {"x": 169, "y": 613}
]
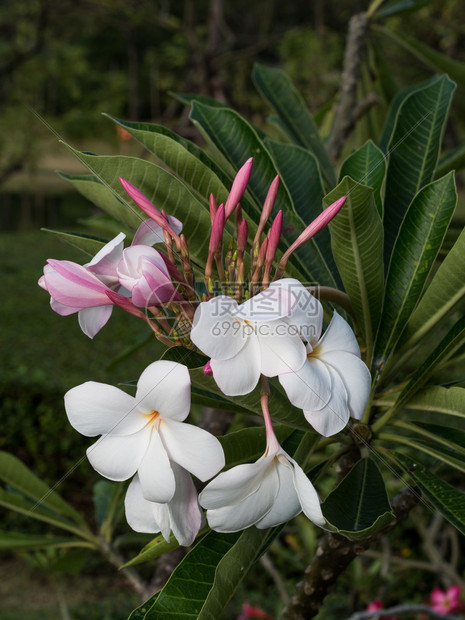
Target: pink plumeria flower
[
  {"x": 270, "y": 491},
  {"x": 144, "y": 273},
  {"x": 181, "y": 515},
  {"x": 146, "y": 433},
  {"x": 255, "y": 337},
  {"x": 82, "y": 289},
  {"x": 333, "y": 383},
  {"x": 445, "y": 602}
]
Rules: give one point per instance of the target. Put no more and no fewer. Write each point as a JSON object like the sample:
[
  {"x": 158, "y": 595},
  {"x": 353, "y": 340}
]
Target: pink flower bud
[
  {"x": 147, "y": 207},
  {"x": 267, "y": 208},
  {"x": 217, "y": 230},
  {"x": 274, "y": 237},
  {"x": 238, "y": 187},
  {"x": 207, "y": 369},
  {"x": 213, "y": 207},
  {"x": 242, "y": 236}
]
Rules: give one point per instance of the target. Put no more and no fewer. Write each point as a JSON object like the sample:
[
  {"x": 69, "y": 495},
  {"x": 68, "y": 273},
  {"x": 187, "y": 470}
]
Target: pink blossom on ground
[
  {"x": 445, "y": 602},
  {"x": 248, "y": 612}
]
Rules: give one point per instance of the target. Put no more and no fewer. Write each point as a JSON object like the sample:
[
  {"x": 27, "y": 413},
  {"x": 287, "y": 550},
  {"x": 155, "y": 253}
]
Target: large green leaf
[
  {"x": 11, "y": 541},
  {"x": 298, "y": 168},
  {"x": 451, "y": 342},
  {"x": 189, "y": 358},
  {"x": 445, "y": 293},
  {"x": 105, "y": 198},
  {"x": 189, "y": 585},
  {"x": 418, "y": 243},
  {"x": 276, "y": 87},
  {"x": 357, "y": 242},
  {"x": 86, "y": 243},
  {"x": 19, "y": 477},
  {"x": 184, "y": 158},
  {"x": 394, "y": 7},
  {"x": 248, "y": 444},
  {"x": 453, "y": 160},
  {"x": 237, "y": 140},
  {"x": 162, "y": 188},
  {"x": 445, "y": 498},
  {"x": 359, "y": 505},
  {"x": 427, "y": 54},
  {"x": 367, "y": 166},
  {"x": 397, "y": 101},
  {"x": 414, "y": 150},
  {"x": 447, "y": 401}
]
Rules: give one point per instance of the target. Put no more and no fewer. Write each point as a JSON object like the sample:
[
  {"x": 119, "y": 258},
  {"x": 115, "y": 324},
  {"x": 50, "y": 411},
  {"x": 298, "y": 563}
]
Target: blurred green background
[{"x": 69, "y": 62}]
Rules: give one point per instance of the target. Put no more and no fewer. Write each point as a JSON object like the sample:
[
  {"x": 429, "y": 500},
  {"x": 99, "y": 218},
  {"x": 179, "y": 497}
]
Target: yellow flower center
[{"x": 152, "y": 416}]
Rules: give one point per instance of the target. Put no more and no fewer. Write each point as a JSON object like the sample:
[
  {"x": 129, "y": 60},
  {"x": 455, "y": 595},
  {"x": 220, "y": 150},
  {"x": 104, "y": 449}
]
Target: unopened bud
[{"x": 238, "y": 186}]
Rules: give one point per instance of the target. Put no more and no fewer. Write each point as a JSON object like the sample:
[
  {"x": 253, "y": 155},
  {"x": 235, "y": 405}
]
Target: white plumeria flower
[
  {"x": 333, "y": 384},
  {"x": 145, "y": 433},
  {"x": 270, "y": 491},
  {"x": 262, "y": 335},
  {"x": 181, "y": 514}
]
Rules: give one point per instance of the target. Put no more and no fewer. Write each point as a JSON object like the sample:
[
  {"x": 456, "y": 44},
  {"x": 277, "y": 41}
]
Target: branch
[
  {"x": 345, "y": 115},
  {"x": 333, "y": 556},
  {"x": 402, "y": 609}
]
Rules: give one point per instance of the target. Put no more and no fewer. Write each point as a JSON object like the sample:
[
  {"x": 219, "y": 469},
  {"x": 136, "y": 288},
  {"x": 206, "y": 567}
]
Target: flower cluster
[{"x": 262, "y": 325}]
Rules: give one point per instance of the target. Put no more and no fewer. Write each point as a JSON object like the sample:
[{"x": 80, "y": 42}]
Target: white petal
[
  {"x": 233, "y": 485},
  {"x": 139, "y": 512},
  {"x": 155, "y": 473},
  {"x": 106, "y": 260},
  {"x": 249, "y": 510},
  {"x": 97, "y": 408},
  {"x": 118, "y": 458},
  {"x": 356, "y": 378},
  {"x": 280, "y": 350},
  {"x": 307, "y": 314},
  {"x": 165, "y": 386},
  {"x": 162, "y": 517},
  {"x": 193, "y": 448},
  {"x": 239, "y": 374},
  {"x": 339, "y": 337},
  {"x": 61, "y": 309},
  {"x": 186, "y": 518},
  {"x": 91, "y": 320},
  {"x": 310, "y": 387},
  {"x": 308, "y": 496},
  {"x": 148, "y": 233},
  {"x": 286, "y": 504},
  {"x": 269, "y": 305},
  {"x": 216, "y": 331},
  {"x": 334, "y": 416}
]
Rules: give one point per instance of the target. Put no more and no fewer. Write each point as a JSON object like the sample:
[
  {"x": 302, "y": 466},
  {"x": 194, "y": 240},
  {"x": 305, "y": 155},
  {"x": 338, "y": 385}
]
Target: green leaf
[
  {"x": 359, "y": 505},
  {"x": 299, "y": 171},
  {"x": 237, "y": 140},
  {"x": 108, "y": 502},
  {"x": 453, "y": 436},
  {"x": 414, "y": 150},
  {"x": 190, "y": 583},
  {"x": 417, "y": 246},
  {"x": 189, "y": 358},
  {"x": 428, "y": 55},
  {"x": 10, "y": 541},
  {"x": 357, "y": 242},
  {"x": 451, "y": 342},
  {"x": 153, "y": 550},
  {"x": 162, "y": 188},
  {"x": 445, "y": 293},
  {"x": 445, "y": 498},
  {"x": 447, "y": 401},
  {"x": 276, "y": 87},
  {"x": 15, "y": 474},
  {"x": 104, "y": 198},
  {"x": 454, "y": 160},
  {"x": 184, "y": 158},
  {"x": 397, "y": 101},
  {"x": 86, "y": 243},
  {"x": 404, "y": 6},
  {"x": 367, "y": 166}
]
